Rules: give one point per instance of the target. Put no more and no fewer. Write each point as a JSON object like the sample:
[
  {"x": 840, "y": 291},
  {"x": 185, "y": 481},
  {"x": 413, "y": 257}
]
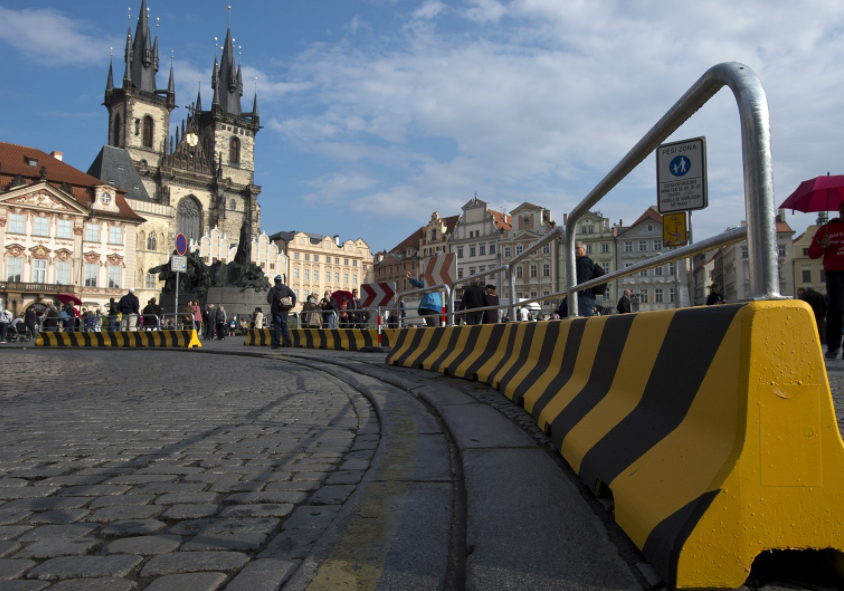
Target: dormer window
[{"x": 32, "y": 162}]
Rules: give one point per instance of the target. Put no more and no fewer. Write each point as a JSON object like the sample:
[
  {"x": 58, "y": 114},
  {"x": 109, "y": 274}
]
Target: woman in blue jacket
[{"x": 431, "y": 306}]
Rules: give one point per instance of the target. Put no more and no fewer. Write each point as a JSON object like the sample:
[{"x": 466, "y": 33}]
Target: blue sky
[{"x": 378, "y": 112}]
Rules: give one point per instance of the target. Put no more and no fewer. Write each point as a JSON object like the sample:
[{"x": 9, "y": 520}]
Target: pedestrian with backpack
[{"x": 586, "y": 270}]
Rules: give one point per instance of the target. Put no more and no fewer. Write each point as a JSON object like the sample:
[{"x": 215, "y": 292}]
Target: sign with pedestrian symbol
[{"x": 681, "y": 176}]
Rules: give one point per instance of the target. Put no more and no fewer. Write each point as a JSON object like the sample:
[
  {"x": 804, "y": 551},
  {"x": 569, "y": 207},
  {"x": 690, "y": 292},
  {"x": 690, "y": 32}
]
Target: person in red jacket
[{"x": 829, "y": 244}]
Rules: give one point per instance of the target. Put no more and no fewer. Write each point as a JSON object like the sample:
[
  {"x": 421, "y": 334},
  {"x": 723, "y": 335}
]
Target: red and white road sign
[
  {"x": 440, "y": 269},
  {"x": 377, "y": 294}
]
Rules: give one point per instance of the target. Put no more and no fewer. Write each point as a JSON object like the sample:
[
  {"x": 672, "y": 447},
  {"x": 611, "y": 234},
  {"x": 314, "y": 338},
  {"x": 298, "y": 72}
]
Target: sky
[{"x": 377, "y": 113}]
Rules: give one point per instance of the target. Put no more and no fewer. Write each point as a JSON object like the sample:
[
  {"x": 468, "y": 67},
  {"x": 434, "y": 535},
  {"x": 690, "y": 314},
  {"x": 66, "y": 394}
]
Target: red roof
[
  {"x": 651, "y": 213},
  {"x": 411, "y": 241},
  {"x": 450, "y": 222},
  {"x": 783, "y": 227},
  {"x": 502, "y": 221},
  {"x": 15, "y": 160}
]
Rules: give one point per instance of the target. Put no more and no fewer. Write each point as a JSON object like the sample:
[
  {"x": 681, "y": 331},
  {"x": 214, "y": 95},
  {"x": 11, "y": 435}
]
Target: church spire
[
  {"x": 215, "y": 82},
  {"x": 171, "y": 85},
  {"x": 127, "y": 72},
  {"x": 144, "y": 62},
  {"x": 198, "y": 107},
  {"x": 110, "y": 81}
]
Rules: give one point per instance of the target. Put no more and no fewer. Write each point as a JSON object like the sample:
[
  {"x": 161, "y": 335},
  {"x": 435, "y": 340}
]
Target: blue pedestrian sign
[
  {"x": 681, "y": 176},
  {"x": 181, "y": 244}
]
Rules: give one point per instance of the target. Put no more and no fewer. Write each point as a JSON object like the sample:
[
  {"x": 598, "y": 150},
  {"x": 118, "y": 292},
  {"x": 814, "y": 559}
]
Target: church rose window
[{"x": 190, "y": 218}]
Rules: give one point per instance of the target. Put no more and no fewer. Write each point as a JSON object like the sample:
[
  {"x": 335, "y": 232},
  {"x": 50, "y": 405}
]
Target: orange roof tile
[
  {"x": 651, "y": 213},
  {"x": 411, "y": 241},
  {"x": 783, "y": 227},
  {"x": 502, "y": 221}
]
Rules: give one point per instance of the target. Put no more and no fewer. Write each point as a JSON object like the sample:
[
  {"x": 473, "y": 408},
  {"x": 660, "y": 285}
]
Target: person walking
[
  {"x": 355, "y": 318},
  {"x": 715, "y": 298},
  {"x": 210, "y": 319},
  {"x": 329, "y": 307},
  {"x": 5, "y": 322},
  {"x": 491, "y": 299},
  {"x": 828, "y": 243},
  {"x": 113, "y": 315},
  {"x": 625, "y": 304},
  {"x": 430, "y": 307},
  {"x": 473, "y": 297},
  {"x": 220, "y": 320},
  {"x": 311, "y": 312},
  {"x": 258, "y": 319},
  {"x": 130, "y": 307},
  {"x": 197, "y": 314},
  {"x": 282, "y": 299},
  {"x": 51, "y": 320},
  {"x": 586, "y": 270},
  {"x": 29, "y": 321}
]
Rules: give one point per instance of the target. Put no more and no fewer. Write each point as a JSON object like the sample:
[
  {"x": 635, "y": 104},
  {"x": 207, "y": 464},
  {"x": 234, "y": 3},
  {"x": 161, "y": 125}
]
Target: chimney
[
  {"x": 565, "y": 219},
  {"x": 337, "y": 240},
  {"x": 58, "y": 155}
]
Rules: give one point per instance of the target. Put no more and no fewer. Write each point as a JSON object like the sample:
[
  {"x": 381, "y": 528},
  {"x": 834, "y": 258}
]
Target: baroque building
[
  {"x": 61, "y": 231},
  {"x": 475, "y": 239},
  {"x": 594, "y": 230},
  {"x": 192, "y": 178}
]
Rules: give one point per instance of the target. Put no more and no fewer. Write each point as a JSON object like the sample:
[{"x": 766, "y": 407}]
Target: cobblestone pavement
[{"x": 115, "y": 467}]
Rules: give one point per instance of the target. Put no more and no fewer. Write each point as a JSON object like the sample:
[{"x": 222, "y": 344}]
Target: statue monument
[{"x": 240, "y": 286}]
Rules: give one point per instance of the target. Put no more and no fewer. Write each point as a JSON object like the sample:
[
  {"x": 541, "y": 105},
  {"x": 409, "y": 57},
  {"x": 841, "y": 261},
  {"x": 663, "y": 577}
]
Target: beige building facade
[{"x": 807, "y": 272}]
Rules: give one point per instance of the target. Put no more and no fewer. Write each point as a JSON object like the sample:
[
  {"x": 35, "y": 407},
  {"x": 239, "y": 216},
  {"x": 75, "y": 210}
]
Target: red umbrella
[
  {"x": 338, "y": 295},
  {"x": 69, "y": 298},
  {"x": 824, "y": 193}
]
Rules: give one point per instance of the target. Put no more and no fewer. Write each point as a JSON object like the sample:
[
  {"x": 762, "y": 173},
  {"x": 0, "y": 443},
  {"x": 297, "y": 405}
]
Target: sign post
[{"x": 179, "y": 265}]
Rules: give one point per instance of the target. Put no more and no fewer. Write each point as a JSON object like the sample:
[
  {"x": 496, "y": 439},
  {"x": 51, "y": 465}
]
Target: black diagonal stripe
[
  {"x": 385, "y": 339},
  {"x": 549, "y": 344},
  {"x": 335, "y": 339},
  {"x": 575, "y": 336},
  {"x": 508, "y": 353},
  {"x": 415, "y": 337},
  {"x": 521, "y": 355},
  {"x": 431, "y": 349},
  {"x": 309, "y": 338},
  {"x": 140, "y": 341},
  {"x": 490, "y": 348},
  {"x": 393, "y": 355},
  {"x": 691, "y": 342},
  {"x": 62, "y": 339},
  {"x": 468, "y": 348},
  {"x": 447, "y": 350},
  {"x": 100, "y": 338},
  {"x": 666, "y": 540},
  {"x": 86, "y": 339},
  {"x": 607, "y": 357},
  {"x": 367, "y": 337}
]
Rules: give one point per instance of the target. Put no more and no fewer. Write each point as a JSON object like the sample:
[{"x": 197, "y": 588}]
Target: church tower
[{"x": 139, "y": 113}]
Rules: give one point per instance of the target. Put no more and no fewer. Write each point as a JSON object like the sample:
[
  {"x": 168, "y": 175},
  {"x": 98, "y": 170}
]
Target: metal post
[
  {"x": 691, "y": 267},
  {"x": 512, "y": 278},
  {"x": 176, "y": 305}
]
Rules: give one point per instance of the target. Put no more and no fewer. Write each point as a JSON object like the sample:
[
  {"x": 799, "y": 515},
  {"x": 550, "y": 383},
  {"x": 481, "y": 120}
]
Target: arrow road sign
[
  {"x": 377, "y": 294},
  {"x": 439, "y": 269}
]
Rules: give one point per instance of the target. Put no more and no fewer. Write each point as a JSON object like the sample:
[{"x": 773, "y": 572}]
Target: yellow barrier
[
  {"x": 185, "y": 339},
  {"x": 713, "y": 427},
  {"x": 342, "y": 339}
]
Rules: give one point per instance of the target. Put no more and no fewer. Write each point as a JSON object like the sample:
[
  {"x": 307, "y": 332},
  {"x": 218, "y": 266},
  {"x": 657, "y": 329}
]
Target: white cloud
[
  {"x": 50, "y": 38},
  {"x": 429, "y": 10},
  {"x": 543, "y": 109}
]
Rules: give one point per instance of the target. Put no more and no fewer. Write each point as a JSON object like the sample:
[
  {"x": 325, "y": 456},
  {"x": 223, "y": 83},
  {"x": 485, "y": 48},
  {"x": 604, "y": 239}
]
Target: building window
[
  {"x": 316, "y": 258},
  {"x": 115, "y": 235},
  {"x": 147, "y": 139},
  {"x": 92, "y": 232},
  {"x": 520, "y": 272},
  {"x": 643, "y": 245},
  {"x": 65, "y": 229},
  {"x": 491, "y": 248},
  {"x": 628, "y": 246},
  {"x": 605, "y": 267},
  {"x": 151, "y": 241},
  {"x": 807, "y": 275},
  {"x": 507, "y": 252},
  {"x": 63, "y": 272},
  {"x": 91, "y": 272},
  {"x": 459, "y": 253},
  {"x": 307, "y": 257},
  {"x": 658, "y": 271},
  {"x": 346, "y": 278},
  {"x": 471, "y": 251},
  {"x": 643, "y": 296},
  {"x": 16, "y": 223},
  {"x": 39, "y": 271},
  {"x": 151, "y": 281},
  {"x": 519, "y": 249},
  {"x": 605, "y": 248},
  {"x": 190, "y": 218},
  {"x": 805, "y": 252},
  {"x": 336, "y": 277},
  {"x": 234, "y": 151},
  {"x": 41, "y": 227},
  {"x": 296, "y": 272},
  {"x": 354, "y": 280},
  {"x": 346, "y": 262},
  {"x": 233, "y": 205},
  {"x": 744, "y": 252},
  {"x": 307, "y": 273},
  {"x": 657, "y": 244},
  {"x": 546, "y": 248},
  {"x": 328, "y": 276},
  {"x": 14, "y": 267},
  {"x": 115, "y": 141},
  {"x": 460, "y": 273},
  {"x": 295, "y": 256},
  {"x": 644, "y": 273},
  {"x": 588, "y": 229},
  {"x": 672, "y": 295},
  {"x": 658, "y": 295},
  {"x": 114, "y": 272},
  {"x": 533, "y": 271},
  {"x": 354, "y": 262},
  {"x": 482, "y": 250},
  {"x": 546, "y": 270},
  {"x": 781, "y": 250},
  {"x": 588, "y": 249},
  {"x": 672, "y": 269}
]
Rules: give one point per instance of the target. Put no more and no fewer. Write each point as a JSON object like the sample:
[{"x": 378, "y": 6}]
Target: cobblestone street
[{"x": 171, "y": 469}]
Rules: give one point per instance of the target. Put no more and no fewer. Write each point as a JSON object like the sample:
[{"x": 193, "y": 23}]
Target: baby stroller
[{"x": 17, "y": 331}]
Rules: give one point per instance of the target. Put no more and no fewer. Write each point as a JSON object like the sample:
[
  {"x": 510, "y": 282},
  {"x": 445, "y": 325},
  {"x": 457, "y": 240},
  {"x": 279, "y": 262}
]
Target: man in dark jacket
[
  {"x": 280, "y": 312},
  {"x": 473, "y": 297},
  {"x": 51, "y": 322},
  {"x": 130, "y": 307},
  {"x": 625, "y": 303},
  {"x": 818, "y": 303},
  {"x": 585, "y": 271}
]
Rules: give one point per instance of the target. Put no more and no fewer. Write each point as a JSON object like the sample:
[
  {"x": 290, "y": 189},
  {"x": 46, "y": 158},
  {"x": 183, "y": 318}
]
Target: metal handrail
[
  {"x": 176, "y": 315},
  {"x": 451, "y": 312},
  {"x": 757, "y": 165},
  {"x": 550, "y": 236}
]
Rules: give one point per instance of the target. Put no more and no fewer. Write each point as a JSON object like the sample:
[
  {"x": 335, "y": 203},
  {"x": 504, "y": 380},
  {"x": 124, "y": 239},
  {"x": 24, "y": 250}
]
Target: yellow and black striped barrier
[
  {"x": 184, "y": 339},
  {"x": 713, "y": 427},
  {"x": 339, "y": 339}
]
